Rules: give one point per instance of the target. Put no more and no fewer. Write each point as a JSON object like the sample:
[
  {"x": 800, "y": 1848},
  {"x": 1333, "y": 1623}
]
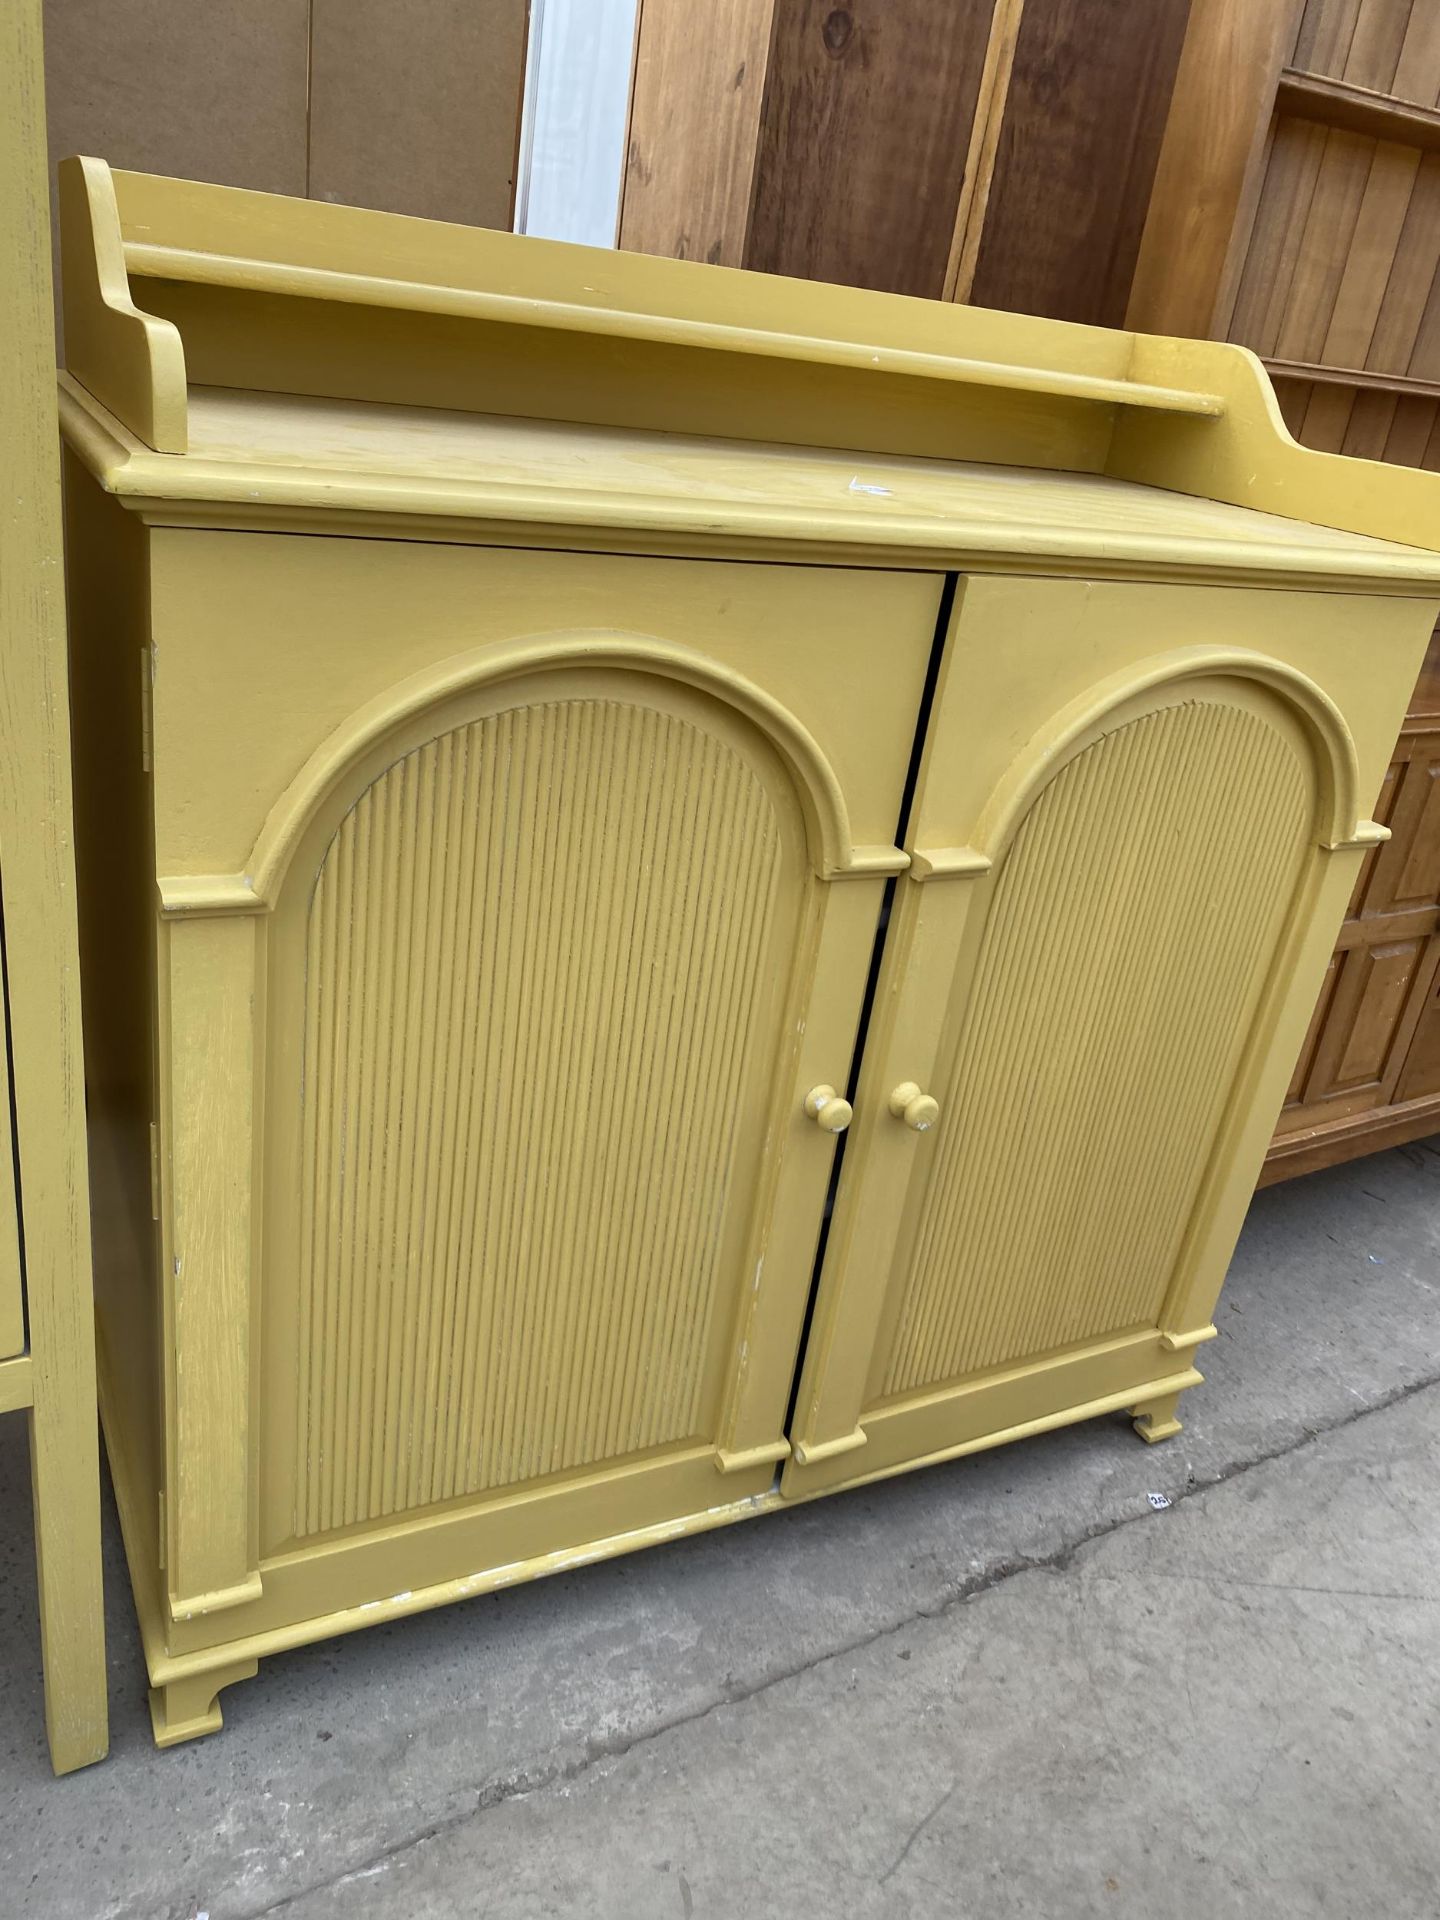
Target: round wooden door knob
[
  {"x": 918, "y": 1110},
  {"x": 829, "y": 1112}
]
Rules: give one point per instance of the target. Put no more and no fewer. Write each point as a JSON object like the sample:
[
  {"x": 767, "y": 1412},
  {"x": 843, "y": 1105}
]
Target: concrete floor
[{"x": 1005, "y": 1686}]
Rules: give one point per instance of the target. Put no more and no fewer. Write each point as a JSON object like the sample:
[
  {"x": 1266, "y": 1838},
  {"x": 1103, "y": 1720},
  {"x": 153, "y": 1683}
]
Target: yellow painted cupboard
[{"x": 695, "y": 888}]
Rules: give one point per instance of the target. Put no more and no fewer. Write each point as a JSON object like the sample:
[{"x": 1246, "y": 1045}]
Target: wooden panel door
[
  {"x": 537, "y": 978},
  {"x": 1419, "y": 1080},
  {"x": 1301, "y": 170},
  {"x": 1355, "y": 1065},
  {"x": 1096, "y": 972},
  {"x": 570, "y": 925}
]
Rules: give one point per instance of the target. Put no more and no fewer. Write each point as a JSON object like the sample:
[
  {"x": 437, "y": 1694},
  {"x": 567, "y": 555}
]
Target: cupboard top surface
[
  {"x": 273, "y": 450},
  {"x": 176, "y": 287}
]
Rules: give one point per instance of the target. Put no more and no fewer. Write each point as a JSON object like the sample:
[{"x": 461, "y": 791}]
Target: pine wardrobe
[{"x": 695, "y": 889}]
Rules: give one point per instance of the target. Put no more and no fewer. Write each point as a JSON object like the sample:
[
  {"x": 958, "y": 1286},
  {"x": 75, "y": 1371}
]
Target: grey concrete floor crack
[{"x": 542, "y": 1778}]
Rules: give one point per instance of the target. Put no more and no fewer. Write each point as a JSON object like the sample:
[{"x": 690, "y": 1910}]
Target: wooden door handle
[
  {"x": 918, "y": 1110},
  {"x": 829, "y": 1112}
]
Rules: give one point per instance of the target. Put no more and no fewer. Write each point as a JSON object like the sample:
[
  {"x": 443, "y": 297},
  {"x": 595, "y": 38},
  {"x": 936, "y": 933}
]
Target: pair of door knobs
[{"x": 831, "y": 1114}]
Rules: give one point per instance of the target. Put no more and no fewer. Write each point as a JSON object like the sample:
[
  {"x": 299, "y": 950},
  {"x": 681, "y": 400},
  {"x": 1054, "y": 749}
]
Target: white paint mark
[{"x": 857, "y": 485}]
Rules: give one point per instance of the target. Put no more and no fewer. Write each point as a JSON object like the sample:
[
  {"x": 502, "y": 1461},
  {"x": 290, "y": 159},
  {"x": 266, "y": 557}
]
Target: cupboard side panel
[{"x": 108, "y": 595}]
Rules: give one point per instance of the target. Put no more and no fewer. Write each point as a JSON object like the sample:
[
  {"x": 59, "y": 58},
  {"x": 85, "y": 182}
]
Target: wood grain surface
[
  {"x": 863, "y": 137},
  {"x": 1339, "y": 288},
  {"x": 694, "y": 123},
  {"x": 1211, "y": 164},
  {"x": 1392, "y": 46},
  {"x": 1087, "y": 101}
]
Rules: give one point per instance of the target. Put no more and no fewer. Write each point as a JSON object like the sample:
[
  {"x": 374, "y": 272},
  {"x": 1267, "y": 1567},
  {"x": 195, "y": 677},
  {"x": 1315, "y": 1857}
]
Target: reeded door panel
[
  {"x": 1080, "y": 981},
  {"x": 548, "y": 955},
  {"x": 552, "y": 971}
]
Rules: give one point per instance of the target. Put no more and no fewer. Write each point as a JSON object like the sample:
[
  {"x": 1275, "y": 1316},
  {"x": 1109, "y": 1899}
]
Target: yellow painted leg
[
  {"x": 184, "y": 1709},
  {"x": 65, "y": 1482},
  {"x": 1155, "y": 1419}
]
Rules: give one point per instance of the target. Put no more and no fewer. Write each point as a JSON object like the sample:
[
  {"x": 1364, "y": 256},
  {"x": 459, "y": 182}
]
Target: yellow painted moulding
[
  {"x": 1198, "y": 417},
  {"x": 655, "y": 492},
  {"x": 255, "y": 334},
  {"x": 198, "y": 1678},
  {"x": 147, "y": 228}
]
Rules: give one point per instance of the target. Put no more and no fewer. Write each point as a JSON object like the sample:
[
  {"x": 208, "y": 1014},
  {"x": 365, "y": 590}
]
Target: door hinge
[
  {"x": 160, "y": 1497},
  {"x": 154, "y": 1171},
  {"x": 147, "y": 676}
]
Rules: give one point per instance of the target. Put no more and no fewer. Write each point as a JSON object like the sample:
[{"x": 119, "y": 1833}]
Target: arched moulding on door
[
  {"x": 1187, "y": 804},
  {"x": 487, "y": 670},
  {"x": 1103, "y": 706},
  {"x": 1090, "y": 1013},
  {"x": 544, "y": 926}
]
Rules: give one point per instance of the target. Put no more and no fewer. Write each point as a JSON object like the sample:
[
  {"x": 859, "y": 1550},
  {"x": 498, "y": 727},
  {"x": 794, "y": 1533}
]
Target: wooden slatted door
[
  {"x": 1369, "y": 1071},
  {"x": 1335, "y": 281},
  {"x": 1081, "y": 974},
  {"x": 1333, "y": 261},
  {"x": 556, "y": 964},
  {"x": 906, "y": 144}
]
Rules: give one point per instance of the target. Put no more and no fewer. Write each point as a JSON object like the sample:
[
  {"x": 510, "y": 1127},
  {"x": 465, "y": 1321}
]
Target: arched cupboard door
[
  {"x": 551, "y": 958},
  {"x": 1076, "y": 1015}
]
